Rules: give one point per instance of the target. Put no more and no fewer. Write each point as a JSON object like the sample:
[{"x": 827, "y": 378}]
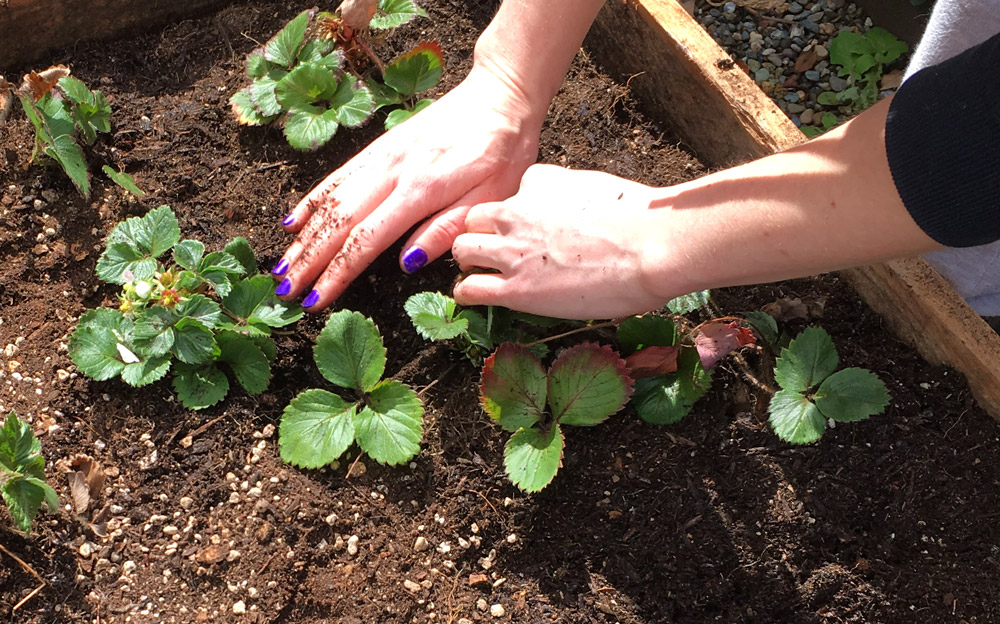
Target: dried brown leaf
[
  {"x": 38, "y": 84},
  {"x": 79, "y": 491}
]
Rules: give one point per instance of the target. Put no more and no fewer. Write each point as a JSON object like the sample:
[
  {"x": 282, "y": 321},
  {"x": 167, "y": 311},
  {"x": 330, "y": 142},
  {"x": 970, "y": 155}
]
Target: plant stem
[{"x": 611, "y": 323}]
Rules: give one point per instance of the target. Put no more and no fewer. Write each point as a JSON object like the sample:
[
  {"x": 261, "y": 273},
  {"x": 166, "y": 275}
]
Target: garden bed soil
[{"x": 889, "y": 520}]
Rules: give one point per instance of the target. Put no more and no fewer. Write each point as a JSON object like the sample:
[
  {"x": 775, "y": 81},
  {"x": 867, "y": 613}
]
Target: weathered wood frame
[{"x": 685, "y": 81}]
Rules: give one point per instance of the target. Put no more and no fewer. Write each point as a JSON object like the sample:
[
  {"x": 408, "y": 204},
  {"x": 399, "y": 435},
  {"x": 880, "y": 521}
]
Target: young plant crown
[
  {"x": 193, "y": 313},
  {"x": 305, "y": 77},
  {"x": 811, "y": 392},
  {"x": 384, "y": 416},
  {"x": 584, "y": 386},
  {"x": 62, "y": 108}
]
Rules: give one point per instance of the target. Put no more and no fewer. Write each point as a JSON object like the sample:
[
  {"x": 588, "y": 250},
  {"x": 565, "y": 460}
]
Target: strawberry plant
[
  {"x": 307, "y": 78},
  {"x": 383, "y": 416},
  {"x": 584, "y": 386},
  {"x": 812, "y": 392},
  {"x": 193, "y": 313},
  {"x": 473, "y": 332},
  {"x": 666, "y": 371},
  {"x": 62, "y": 109},
  {"x": 22, "y": 473},
  {"x": 862, "y": 59}
]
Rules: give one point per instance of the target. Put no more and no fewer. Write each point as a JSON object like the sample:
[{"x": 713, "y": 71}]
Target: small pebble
[
  {"x": 497, "y": 610},
  {"x": 239, "y": 607}
]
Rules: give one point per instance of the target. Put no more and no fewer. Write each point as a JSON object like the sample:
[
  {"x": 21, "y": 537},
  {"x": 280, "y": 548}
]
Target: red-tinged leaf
[
  {"x": 717, "y": 340},
  {"x": 652, "y": 361},
  {"x": 38, "y": 84},
  {"x": 587, "y": 384},
  {"x": 433, "y": 48},
  {"x": 513, "y": 387}
]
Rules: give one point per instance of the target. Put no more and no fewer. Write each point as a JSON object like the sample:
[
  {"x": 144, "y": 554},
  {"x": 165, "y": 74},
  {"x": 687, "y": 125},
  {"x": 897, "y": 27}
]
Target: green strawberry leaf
[
  {"x": 393, "y": 13},
  {"x": 64, "y": 150},
  {"x": 310, "y": 127},
  {"x": 388, "y": 428},
  {"x": 198, "y": 387},
  {"x": 200, "y": 308},
  {"x": 766, "y": 326},
  {"x": 689, "y": 303},
  {"x": 218, "y": 269},
  {"x": 513, "y": 388},
  {"x": 532, "y": 458},
  {"x": 240, "y": 249},
  {"x": 851, "y": 394},
  {"x": 93, "y": 345},
  {"x": 283, "y": 48},
  {"x": 194, "y": 343},
  {"x": 23, "y": 499},
  {"x": 249, "y": 363},
  {"x": 433, "y": 316},
  {"x": 257, "y": 65},
  {"x": 245, "y": 110},
  {"x": 417, "y": 70},
  {"x": 649, "y": 330},
  {"x": 795, "y": 418},
  {"x": 123, "y": 180},
  {"x": 304, "y": 86},
  {"x": 807, "y": 361},
  {"x": 349, "y": 351},
  {"x": 153, "y": 333},
  {"x": 188, "y": 254},
  {"x": 138, "y": 374},
  {"x": 666, "y": 399},
  {"x": 353, "y": 103},
  {"x": 263, "y": 96},
  {"x": 253, "y": 302},
  {"x": 19, "y": 448},
  {"x": 586, "y": 384},
  {"x": 316, "y": 428}
]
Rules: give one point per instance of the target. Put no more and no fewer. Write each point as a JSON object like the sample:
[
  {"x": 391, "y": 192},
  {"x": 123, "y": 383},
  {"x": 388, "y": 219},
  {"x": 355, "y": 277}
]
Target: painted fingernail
[
  {"x": 281, "y": 268},
  {"x": 283, "y": 288},
  {"x": 311, "y": 299},
  {"x": 414, "y": 259},
  {"x": 288, "y": 220}
]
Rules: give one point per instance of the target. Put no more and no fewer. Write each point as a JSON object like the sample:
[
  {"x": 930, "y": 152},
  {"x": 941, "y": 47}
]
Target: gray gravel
[{"x": 767, "y": 49}]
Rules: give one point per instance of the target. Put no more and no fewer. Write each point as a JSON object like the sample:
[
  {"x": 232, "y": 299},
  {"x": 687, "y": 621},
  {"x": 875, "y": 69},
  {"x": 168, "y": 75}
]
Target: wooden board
[
  {"x": 684, "y": 79},
  {"x": 29, "y": 28}
]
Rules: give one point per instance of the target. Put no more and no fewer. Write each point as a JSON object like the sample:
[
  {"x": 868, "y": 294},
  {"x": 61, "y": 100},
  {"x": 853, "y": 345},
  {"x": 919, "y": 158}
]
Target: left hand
[{"x": 569, "y": 244}]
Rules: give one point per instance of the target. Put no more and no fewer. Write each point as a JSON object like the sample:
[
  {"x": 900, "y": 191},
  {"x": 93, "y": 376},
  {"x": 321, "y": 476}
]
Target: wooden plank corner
[{"x": 685, "y": 80}]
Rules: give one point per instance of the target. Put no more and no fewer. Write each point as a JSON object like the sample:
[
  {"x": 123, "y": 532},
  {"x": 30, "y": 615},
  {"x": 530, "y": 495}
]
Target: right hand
[{"x": 470, "y": 147}]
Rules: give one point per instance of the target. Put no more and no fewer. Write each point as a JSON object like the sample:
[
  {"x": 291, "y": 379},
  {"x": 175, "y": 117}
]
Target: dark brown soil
[{"x": 890, "y": 520}]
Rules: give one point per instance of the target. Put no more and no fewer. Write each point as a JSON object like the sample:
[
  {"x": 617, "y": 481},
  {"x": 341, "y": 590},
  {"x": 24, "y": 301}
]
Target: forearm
[
  {"x": 530, "y": 44},
  {"x": 825, "y": 205}
]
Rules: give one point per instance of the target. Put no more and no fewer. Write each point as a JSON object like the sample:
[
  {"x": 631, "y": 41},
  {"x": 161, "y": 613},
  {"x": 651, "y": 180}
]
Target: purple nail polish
[
  {"x": 288, "y": 220},
  {"x": 414, "y": 259},
  {"x": 311, "y": 300},
  {"x": 281, "y": 268},
  {"x": 283, "y": 288}
]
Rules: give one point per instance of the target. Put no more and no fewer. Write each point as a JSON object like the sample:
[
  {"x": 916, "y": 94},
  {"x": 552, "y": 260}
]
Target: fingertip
[
  {"x": 311, "y": 299},
  {"x": 413, "y": 259},
  {"x": 280, "y": 268}
]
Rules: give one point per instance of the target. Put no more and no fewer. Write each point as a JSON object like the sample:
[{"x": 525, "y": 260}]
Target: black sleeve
[{"x": 942, "y": 138}]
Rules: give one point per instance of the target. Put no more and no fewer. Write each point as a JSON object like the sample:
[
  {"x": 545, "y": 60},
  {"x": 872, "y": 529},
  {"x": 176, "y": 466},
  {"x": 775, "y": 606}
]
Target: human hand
[
  {"x": 569, "y": 244},
  {"x": 469, "y": 147}
]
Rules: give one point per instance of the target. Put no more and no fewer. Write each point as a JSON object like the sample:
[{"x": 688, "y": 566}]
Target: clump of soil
[{"x": 889, "y": 520}]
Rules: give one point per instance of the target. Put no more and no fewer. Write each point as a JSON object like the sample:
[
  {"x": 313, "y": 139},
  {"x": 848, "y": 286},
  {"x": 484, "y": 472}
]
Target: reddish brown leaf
[
  {"x": 38, "y": 84},
  {"x": 652, "y": 361},
  {"x": 806, "y": 61},
  {"x": 717, "y": 340}
]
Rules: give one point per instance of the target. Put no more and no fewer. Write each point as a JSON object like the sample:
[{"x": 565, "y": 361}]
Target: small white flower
[{"x": 143, "y": 288}]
